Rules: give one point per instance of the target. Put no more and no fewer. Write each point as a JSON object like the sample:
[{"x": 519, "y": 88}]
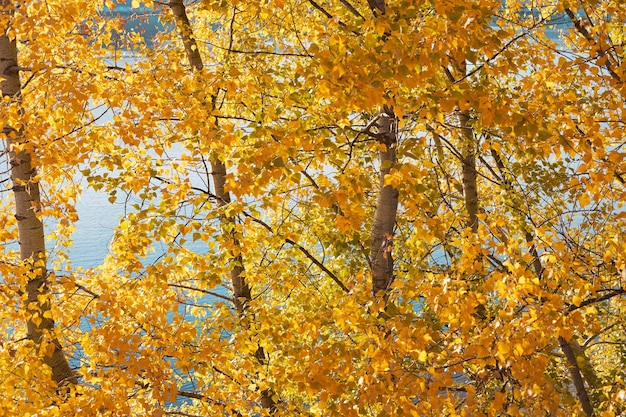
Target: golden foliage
[{"x": 286, "y": 100}]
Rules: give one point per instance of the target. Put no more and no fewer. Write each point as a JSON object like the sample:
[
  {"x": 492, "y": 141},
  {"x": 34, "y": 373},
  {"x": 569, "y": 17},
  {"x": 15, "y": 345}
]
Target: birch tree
[{"x": 32, "y": 271}]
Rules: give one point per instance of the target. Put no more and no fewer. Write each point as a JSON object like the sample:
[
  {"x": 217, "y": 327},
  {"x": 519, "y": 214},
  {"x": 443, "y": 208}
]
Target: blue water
[
  {"x": 97, "y": 219},
  {"x": 141, "y": 20}
]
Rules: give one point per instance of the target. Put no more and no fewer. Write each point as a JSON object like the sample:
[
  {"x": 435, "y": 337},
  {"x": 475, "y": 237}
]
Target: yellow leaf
[
  {"x": 584, "y": 200},
  {"x": 36, "y": 319},
  {"x": 503, "y": 350}
]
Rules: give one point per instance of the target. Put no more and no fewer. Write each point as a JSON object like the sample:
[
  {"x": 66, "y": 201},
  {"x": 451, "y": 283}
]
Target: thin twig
[{"x": 214, "y": 294}]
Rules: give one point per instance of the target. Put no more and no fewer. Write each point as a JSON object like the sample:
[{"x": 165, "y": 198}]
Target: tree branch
[
  {"x": 579, "y": 383},
  {"x": 601, "y": 52},
  {"x": 352, "y": 9},
  {"x": 302, "y": 249},
  {"x": 214, "y": 294},
  {"x": 585, "y": 303}
]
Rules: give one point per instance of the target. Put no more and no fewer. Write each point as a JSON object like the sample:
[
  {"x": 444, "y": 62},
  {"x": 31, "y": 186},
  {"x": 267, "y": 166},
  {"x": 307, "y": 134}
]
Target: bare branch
[
  {"x": 212, "y": 293},
  {"x": 321, "y": 9},
  {"x": 614, "y": 293},
  {"x": 601, "y": 52},
  {"x": 302, "y": 249},
  {"x": 351, "y": 8}
]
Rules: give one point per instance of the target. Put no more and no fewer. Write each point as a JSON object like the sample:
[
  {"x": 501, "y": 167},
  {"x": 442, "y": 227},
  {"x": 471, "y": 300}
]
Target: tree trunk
[
  {"x": 470, "y": 189},
  {"x": 240, "y": 287},
  {"x": 40, "y": 326},
  {"x": 381, "y": 256},
  {"x": 381, "y": 239},
  {"x": 577, "y": 378}
]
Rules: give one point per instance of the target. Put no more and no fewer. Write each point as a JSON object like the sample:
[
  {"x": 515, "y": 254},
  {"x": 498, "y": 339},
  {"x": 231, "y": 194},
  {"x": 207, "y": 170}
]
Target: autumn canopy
[{"x": 331, "y": 208}]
